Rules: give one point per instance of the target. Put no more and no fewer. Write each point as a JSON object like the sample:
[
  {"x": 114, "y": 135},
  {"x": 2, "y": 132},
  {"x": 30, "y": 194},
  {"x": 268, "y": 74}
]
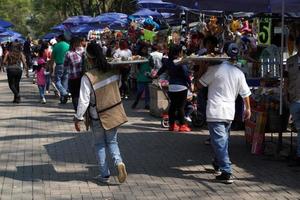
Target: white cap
[{"x": 53, "y": 41}]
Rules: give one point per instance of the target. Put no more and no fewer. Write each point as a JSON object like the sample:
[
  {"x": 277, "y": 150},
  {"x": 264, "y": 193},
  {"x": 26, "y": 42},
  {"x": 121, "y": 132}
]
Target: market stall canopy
[
  {"x": 10, "y": 33},
  {"x": 146, "y": 13},
  {"x": 50, "y": 36},
  {"x": 82, "y": 29},
  {"x": 119, "y": 25},
  {"x": 267, "y": 6},
  {"x": 108, "y": 18},
  {"x": 156, "y": 4},
  {"x": 5, "y": 24},
  {"x": 58, "y": 28},
  {"x": 77, "y": 20},
  {"x": 2, "y": 29}
]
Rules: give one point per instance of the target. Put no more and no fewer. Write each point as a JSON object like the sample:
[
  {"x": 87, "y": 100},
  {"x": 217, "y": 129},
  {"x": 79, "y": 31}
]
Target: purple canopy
[
  {"x": 146, "y": 13},
  {"x": 5, "y": 24},
  {"x": 156, "y": 4},
  {"x": 77, "y": 20},
  {"x": 240, "y": 5}
]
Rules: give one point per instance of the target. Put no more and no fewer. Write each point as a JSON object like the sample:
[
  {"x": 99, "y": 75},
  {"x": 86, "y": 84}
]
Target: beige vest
[
  {"x": 294, "y": 78},
  {"x": 108, "y": 99}
]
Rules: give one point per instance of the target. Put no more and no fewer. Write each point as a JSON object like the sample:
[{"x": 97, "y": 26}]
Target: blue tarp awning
[
  {"x": 156, "y": 4},
  {"x": 58, "y": 28},
  {"x": 146, "y": 13},
  {"x": 5, "y": 24},
  {"x": 266, "y": 6},
  {"x": 77, "y": 20},
  {"x": 50, "y": 36},
  {"x": 109, "y": 18}
]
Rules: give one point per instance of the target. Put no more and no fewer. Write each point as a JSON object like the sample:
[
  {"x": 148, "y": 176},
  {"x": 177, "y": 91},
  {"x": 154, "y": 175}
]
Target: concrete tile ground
[{"x": 42, "y": 157}]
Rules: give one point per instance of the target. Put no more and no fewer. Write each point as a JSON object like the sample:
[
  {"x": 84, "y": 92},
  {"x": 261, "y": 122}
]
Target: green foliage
[
  {"x": 17, "y": 12},
  {"x": 38, "y": 16}
]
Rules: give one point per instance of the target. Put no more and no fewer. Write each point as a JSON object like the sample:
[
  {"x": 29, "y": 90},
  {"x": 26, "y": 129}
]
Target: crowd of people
[{"x": 80, "y": 70}]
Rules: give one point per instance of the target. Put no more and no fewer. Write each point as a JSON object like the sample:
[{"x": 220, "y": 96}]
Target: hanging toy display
[{"x": 213, "y": 27}]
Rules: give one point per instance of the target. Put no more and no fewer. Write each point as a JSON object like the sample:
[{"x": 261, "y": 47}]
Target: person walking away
[
  {"x": 41, "y": 78},
  {"x": 14, "y": 58},
  {"x": 101, "y": 101},
  {"x": 27, "y": 52},
  {"x": 224, "y": 81},
  {"x": 179, "y": 83},
  {"x": 293, "y": 64},
  {"x": 61, "y": 74},
  {"x": 143, "y": 79},
  {"x": 73, "y": 62},
  {"x": 124, "y": 53}
]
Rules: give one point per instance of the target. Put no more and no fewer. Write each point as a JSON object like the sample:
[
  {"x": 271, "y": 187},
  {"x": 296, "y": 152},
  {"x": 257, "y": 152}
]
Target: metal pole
[
  {"x": 279, "y": 145},
  {"x": 281, "y": 55}
]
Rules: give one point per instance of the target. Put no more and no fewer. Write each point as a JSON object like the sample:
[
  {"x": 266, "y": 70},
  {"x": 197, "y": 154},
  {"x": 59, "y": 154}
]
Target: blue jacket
[{"x": 178, "y": 74}]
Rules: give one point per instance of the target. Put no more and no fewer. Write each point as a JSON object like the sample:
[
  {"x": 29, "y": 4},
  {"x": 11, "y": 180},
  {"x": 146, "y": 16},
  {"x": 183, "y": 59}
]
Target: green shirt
[
  {"x": 143, "y": 70},
  {"x": 59, "y": 51}
]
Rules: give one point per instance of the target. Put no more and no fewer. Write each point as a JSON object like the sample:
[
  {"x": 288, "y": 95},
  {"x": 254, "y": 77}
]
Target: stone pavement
[{"x": 42, "y": 157}]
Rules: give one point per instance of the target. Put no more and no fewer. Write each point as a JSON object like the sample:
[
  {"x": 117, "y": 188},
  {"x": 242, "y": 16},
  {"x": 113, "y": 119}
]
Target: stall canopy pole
[{"x": 281, "y": 54}]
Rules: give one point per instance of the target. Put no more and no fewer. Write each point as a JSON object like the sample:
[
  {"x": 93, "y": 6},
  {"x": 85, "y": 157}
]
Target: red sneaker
[
  {"x": 174, "y": 127},
  {"x": 184, "y": 128}
]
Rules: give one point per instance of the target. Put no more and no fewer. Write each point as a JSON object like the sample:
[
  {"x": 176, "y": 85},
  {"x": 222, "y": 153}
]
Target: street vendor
[
  {"x": 224, "y": 81},
  {"x": 100, "y": 102},
  {"x": 293, "y": 64}
]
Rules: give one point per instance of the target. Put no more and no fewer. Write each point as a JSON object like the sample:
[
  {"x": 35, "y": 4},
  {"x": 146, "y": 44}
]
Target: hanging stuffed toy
[
  {"x": 246, "y": 28},
  {"x": 235, "y": 26},
  {"x": 132, "y": 32},
  {"x": 213, "y": 27},
  {"x": 228, "y": 35}
]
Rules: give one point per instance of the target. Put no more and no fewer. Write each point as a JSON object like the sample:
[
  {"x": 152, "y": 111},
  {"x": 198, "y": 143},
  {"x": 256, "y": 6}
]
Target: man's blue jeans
[
  {"x": 105, "y": 140},
  {"x": 61, "y": 79},
  {"x": 219, "y": 134},
  {"x": 295, "y": 111}
]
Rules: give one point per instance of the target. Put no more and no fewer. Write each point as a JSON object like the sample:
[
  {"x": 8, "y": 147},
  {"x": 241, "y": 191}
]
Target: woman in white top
[{"x": 124, "y": 53}]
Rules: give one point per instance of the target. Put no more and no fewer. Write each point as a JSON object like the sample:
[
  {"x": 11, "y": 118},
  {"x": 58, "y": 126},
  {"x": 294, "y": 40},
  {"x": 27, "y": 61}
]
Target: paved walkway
[{"x": 41, "y": 157}]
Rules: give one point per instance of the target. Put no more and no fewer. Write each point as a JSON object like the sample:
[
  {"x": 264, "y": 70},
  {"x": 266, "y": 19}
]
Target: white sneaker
[
  {"x": 122, "y": 172},
  {"x": 188, "y": 119},
  {"x": 44, "y": 101}
]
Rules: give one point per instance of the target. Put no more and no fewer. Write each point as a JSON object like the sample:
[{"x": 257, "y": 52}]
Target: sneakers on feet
[
  {"x": 188, "y": 119},
  {"x": 216, "y": 168},
  {"x": 43, "y": 101},
  {"x": 184, "y": 128},
  {"x": 173, "y": 127},
  {"x": 102, "y": 179},
  {"x": 225, "y": 178},
  {"x": 122, "y": 172}
]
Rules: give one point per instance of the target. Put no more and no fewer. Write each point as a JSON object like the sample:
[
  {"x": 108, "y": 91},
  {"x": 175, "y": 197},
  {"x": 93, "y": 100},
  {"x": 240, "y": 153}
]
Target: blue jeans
[
  {"x": 141, "y": 87},
  {"x": 295, "y": 111},
  {"x": 61, "y": 79},
  {"x": 42, "y": 91},
  {"x": 48, "y": 82},
  {"x": 219, "y": 134},
  {"x": 105, "y": 140}
]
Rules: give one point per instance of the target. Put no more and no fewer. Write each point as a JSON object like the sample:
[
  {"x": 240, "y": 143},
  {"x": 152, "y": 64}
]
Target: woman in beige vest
[{"x": 100, "y": 96}]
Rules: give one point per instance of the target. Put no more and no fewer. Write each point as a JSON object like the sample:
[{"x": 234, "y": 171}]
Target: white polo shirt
[{"x": 224, "y": 83}]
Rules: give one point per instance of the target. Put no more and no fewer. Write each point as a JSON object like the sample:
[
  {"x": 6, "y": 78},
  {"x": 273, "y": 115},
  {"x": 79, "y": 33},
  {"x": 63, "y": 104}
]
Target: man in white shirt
[{"x": 224, "y": 82}]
